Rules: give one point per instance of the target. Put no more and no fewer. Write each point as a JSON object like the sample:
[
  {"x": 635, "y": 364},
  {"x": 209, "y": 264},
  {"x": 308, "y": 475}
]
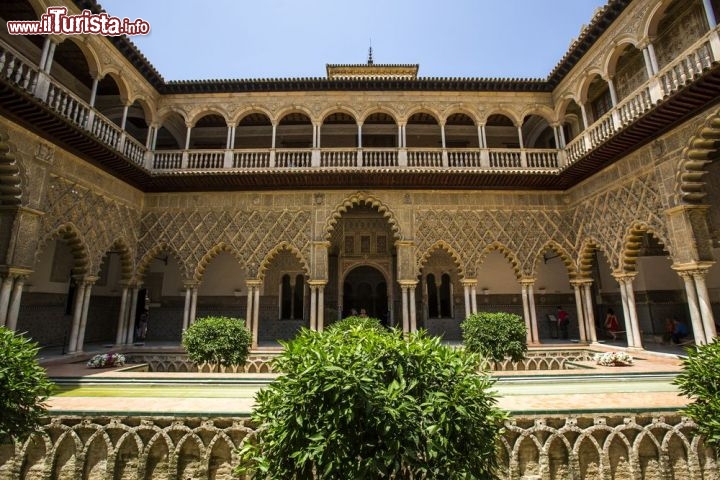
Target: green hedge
[
  {"x": 496, "y": 336},
  {"x": 365, "y": 403},
  {"x": 218, "y": 341},
  {"x": 700, "y": 380},
  {"x": 24, "y": 386}
]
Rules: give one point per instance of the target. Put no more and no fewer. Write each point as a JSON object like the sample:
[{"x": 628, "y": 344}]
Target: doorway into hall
[{"x": 365, "y": 288}]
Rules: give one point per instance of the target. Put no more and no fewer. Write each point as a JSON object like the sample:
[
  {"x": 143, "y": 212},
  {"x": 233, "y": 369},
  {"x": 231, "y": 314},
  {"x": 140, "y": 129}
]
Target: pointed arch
[
  {"x": 151, "y": 254},
  {"x": 11, "y": 177},
  {"x": 265, "y": 263},
  {"x": 119, "y": 246},
  {"x": 360, "y": 198},
  {"x": 509, "y": 255},
  {"x": 586, "y": 257},
  {"x": 443, "y": 245},
  {"x": 211, "y": 254},
  {"x": 702, "y": 149},
  {"x": 560, "y": 250},
  {"x": 632, "y": 243},
  {"x": 71, "y": 235}
]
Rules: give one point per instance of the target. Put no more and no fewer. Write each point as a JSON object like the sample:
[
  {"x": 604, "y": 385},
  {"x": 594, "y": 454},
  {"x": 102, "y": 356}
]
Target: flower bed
[
  {"x": 107, "y": 360},
  {"x": 613, "y": 359}
]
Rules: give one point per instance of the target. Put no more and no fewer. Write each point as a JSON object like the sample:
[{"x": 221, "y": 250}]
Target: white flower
[{"x": 107, "y": 360}]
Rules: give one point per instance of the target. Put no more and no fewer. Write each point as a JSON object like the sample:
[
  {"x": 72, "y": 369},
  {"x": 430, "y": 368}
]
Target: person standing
[
  {"x": 611, "y": 324},
  {"x": 563, "y": 322}
]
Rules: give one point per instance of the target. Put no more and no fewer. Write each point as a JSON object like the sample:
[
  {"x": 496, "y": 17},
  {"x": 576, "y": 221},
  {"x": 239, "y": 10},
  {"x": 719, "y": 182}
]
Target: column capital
[
  {"x": 408, "y": 283},
  {"x": 190, "y": 285},
  {"x": 15, "y": 272},
  {"x": 85, "y": 279},
  {"x": 527, "y": 281},
  {"x": 317, "y": 283},
  {"x": 469, "y": 282},
  {"x": 693, "y": 268},
  {"x": 321, "y": 243},
  {"x": 253, "y": 283},
  {"x": 581, "y": 281},
  {"x": 624, "y": 277},
  {"x": 404, "y": 243}
]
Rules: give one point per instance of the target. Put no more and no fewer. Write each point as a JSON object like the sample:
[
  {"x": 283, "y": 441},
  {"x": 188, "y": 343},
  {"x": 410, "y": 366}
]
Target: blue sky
[{"x": 195, "y": 40}]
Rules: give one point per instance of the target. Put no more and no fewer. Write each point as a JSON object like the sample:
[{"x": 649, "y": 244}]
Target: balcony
[{"x": 661, "y": 102}]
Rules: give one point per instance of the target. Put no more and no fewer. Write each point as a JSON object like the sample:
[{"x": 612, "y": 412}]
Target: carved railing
[
  {"x": 251, "y": 159},
  {"x": 22, "y": 73},
  {"x": 424, "y": 157}
]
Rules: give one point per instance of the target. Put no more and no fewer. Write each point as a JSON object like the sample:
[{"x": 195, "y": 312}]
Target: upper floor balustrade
[{"x": 312, "y": 153}]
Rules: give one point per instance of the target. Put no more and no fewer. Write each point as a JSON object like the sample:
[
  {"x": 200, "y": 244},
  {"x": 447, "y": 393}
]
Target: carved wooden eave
[{"x": 368, "y": 71}]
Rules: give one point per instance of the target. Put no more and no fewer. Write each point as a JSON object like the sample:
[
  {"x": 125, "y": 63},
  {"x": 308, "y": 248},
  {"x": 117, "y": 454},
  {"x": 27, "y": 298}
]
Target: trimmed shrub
[
  {"x": 700, "y": 380},
  {"x": 495, "y": 335},
  {"x": 348, "y": 323},
  {"x": 24, "y": 386},
  {"x": 218, "y": 341},
  {"x": 366, "y": 403}
]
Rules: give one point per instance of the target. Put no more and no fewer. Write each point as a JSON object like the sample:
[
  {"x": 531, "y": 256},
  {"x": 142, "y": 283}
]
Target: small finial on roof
[{"x": 370, "y": 59}]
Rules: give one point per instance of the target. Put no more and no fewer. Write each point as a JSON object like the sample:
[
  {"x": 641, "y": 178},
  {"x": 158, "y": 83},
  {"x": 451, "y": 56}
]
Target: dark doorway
[{"x": 365, "y": 288}]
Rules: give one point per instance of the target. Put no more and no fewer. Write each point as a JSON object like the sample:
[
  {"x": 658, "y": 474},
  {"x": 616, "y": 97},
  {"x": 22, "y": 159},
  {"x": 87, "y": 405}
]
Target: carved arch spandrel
[{"x": 361, "y": 198}]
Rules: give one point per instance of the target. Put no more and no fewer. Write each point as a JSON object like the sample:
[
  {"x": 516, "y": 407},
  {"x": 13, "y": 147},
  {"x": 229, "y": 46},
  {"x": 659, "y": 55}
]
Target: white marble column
[
  {"x": 249, "y": 314},
  {"x": 466, "y": 288},
  {"x": 482, "y": 142},
  {"x": 313, "y": 307},
  {"x": 77, "y": 315},
  {"x": 526, "y": 312},
  {"x": 613, "y": 93},
  {"x": 579, "y": 309},
  {"x": 14, "y": 308},
  {"x": 256, "y": 316},
  {"x": 188, "y": 131},
  {"x": 626, "y": 311},
  {"x": 634, "y": 323},
  {"x": 413, "y": 313},
  {"x": 589, "y": 314},
  {"x": 359, "y": 140},
  {"x": 83, "y": 319},
  {"x": 193, "y": 305},
  {"x": 405, "y": 309},
  {"x": 705, "y": 306},
  {"x": 585, "y": 119},
  {"x": 692, "y": 300},
  {"x": 186, "y": 307},
  {"x": 473, "y": 297},
  {"x": 709, "y": 13},
  {"x": 122, "y": 316},
  {"x": 5, "y": 291},
  {"x": 47, "y": 65},
  {"x": 321, "y": 308},
  {"x": 533, "y": 314}
]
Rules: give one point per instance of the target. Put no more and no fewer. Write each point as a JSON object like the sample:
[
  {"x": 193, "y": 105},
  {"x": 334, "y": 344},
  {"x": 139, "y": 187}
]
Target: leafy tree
[
  {"x": 495, "y": 335},
  {"x": 700, "y": 380},
  {"x": 24, "y": 386},
  {"x": 365, "y": 403},
  {"x": 217, "y": 341}
]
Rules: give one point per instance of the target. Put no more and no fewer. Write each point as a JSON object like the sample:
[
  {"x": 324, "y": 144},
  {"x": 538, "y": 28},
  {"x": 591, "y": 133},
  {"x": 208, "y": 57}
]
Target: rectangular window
[{"x": 365, "y": 244}]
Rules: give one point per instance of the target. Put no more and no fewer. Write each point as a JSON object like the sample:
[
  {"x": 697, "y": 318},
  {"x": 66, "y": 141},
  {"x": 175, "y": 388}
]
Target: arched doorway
[{"x": 365, "y": 287}]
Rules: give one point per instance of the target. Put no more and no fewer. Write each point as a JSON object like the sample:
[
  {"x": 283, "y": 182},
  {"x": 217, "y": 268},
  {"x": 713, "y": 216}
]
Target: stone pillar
[
  {"x": 710, "y": 13},
  {"x": 579, "y": 308},
  {"x": 193, "y": 305},
  {"x": 93, "y": 92},
  {"x": 313, "y": 307},
  {"x": 359, "y": 141},
  {"x": 466, "y": 288},
  {"x": 187, "y": 136},
  {"x": 131, "y": 314},
  {"x": 648, "y": 62},
  {"x": 123, "y": 122},
  {"x": 250, "y": 298},
  {"x": 186, "y": 308},
  {"x": 405, "y": 308},
  {"x": 613, "y": 93},
  {"x": 520, "y": 137},
  {"x": 49, "y": 60},
  {"x": 482, "y": 141},
  {"x": 589, "y": 313},
  {"x": 533, "y": 312},
  {"x": 556, "y": 135},
  {"x": 122, "y": 316},
  {"x": 413, "y": 307},
  {"x": 473, "y": 297},
  {"x": 626, "y": 310},
  {"x": 14, "y": 308},
  {"x": 526, "y": 312},
  {"x": 77, "y": 314},
  {"x": 561, "y": 131},
  {"x": 695, "y": 317},
  {"x": 705, "y": 307},
  {"x": 634, "y": 326},
  {"x": 44, "y": 54},
  {"x": 256, "y": 314},
  {"x": 83, "y": 320},
  {"x": 321, "y": 308},
  {"x": 585, "y": 119},
  {"x": 5, "y": 290}
]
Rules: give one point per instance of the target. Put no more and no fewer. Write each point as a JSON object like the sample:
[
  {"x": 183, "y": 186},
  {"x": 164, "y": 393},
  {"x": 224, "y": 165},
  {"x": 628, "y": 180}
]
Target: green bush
[
  {"x": 495, "y": 335},
  {"x": 700, "y": 380},
  {"x": 217, "y": 341},
  {"x": 364, "y": 403},
  {"x": 348, "y": 323},
  {"x": 24, "y": 386}
]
